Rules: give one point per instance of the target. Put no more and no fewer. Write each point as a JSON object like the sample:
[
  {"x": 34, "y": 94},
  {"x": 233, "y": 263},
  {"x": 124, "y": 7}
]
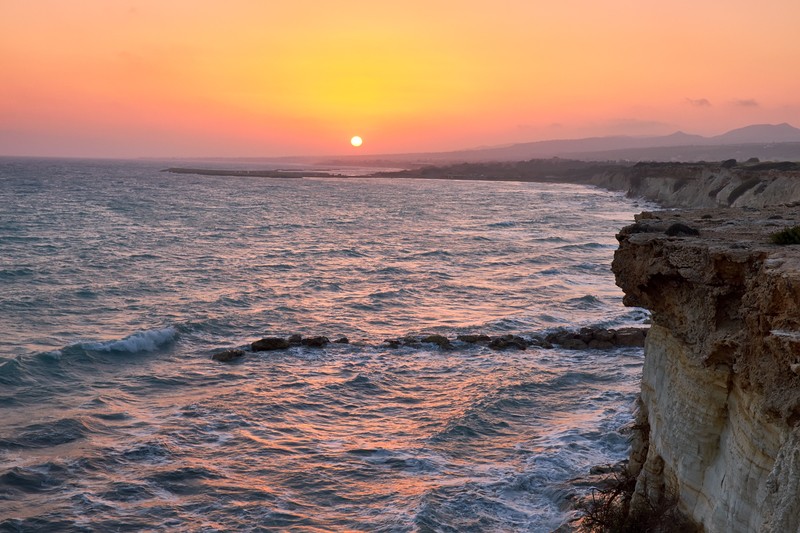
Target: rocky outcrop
[{"x": 718, "y": 424}]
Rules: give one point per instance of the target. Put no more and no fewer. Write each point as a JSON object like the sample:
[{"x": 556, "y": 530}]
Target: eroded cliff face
[
  {"x": 704, "y": 184},
  {"x": 719, "y": 415}
]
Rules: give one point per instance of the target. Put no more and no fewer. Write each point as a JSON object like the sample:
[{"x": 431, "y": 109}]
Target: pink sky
[{"x": 250, "y": 78}]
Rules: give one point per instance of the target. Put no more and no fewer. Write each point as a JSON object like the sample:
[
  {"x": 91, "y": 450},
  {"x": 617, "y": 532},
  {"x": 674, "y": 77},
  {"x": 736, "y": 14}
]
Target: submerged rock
[
  {"x": 269, "y": 343},
  {"x": 342, "y": 340},
  {"x": 227, "y": 355}
]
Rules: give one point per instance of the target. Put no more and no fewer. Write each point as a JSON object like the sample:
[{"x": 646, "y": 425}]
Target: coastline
[
  {"x": 719, "y": 409},
  {"x": 671, "y": 185}
]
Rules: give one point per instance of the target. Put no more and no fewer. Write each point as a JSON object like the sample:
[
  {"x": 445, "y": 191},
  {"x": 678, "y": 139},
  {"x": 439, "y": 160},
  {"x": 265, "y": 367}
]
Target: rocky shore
[{"x": 718, "y": 422}]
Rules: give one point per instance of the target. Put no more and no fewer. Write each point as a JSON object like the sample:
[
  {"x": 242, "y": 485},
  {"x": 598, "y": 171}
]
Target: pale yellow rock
[
  {"x": 705, "y": 185},
  {"x": 720, "y": 386}
]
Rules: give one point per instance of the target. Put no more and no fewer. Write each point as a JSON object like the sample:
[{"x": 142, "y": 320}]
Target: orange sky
[{"x": 267, "y": 78}]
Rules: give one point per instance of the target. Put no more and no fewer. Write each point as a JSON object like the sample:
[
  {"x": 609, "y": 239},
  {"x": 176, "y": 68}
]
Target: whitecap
[{"x": 141, "y": 341}]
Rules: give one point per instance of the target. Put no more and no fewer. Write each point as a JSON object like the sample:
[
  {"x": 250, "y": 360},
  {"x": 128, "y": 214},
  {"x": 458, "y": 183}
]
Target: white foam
[{"x": 141, "y": 341}]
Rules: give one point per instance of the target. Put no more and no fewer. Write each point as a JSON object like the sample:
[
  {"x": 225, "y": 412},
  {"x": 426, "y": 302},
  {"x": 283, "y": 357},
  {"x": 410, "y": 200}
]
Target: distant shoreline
[{"x": 252, "y": 173}]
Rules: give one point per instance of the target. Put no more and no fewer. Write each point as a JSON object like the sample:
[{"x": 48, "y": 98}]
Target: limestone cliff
[
  {"x": 719, "y": 415},
  {"x": 706, "y": 184}
]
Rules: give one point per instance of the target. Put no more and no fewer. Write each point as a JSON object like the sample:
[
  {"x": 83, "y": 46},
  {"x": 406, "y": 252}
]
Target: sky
[{"x": 267, "y": 78}]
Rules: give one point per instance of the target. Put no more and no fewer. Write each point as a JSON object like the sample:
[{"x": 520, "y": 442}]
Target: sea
[{"x": 119, "y": 282}]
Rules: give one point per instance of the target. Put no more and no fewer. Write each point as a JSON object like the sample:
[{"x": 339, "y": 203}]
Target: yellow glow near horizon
[
  {"x": 255, "y": 78},
  {"x": 356, "y": 141}
]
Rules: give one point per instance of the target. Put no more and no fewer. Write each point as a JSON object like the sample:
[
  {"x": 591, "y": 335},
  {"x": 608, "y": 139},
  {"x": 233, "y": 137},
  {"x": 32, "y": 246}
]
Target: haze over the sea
[{"x": 199, "y": 78}]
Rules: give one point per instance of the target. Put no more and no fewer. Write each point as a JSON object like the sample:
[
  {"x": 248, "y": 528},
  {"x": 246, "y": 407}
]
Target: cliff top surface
[{"x": 734, "y": 231}]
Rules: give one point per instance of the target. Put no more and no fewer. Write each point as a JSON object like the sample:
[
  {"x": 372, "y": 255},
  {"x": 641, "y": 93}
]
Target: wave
[
  {"x": 16, "y": 272},
  {"x": 588, "y": 246},
  {"x": 588, "y": 301},
  {"x": 48, "y": 434},
  {"x": 65, "y": 363},
  {"x": 40, "y": 478},
  {"x": 11, "y": 372},
  {"x": 141, "y": 341},
  {"x": 504, "y": 224}
]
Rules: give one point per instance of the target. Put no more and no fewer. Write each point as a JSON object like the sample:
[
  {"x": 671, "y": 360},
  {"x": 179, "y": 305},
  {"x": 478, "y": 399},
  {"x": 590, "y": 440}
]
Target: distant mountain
[
  {"x": 755, "y": 134},
  {"x": 760, "y": 133},
  {"x": 745, "y": 142}
]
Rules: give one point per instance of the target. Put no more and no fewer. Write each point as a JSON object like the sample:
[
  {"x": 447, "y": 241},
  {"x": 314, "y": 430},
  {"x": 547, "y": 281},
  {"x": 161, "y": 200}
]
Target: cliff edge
[{"x": 718, "y": 421}]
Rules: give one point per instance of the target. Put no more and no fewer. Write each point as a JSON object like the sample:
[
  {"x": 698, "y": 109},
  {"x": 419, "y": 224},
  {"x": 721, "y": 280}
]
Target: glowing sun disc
[{"x": 356, "y": 141}]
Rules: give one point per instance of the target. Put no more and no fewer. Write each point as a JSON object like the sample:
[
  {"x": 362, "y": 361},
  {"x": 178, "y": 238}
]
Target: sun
[{"x": 356, "y": 141}]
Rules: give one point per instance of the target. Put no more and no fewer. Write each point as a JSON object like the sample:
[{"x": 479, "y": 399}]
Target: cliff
[
  {"x": 706, "y": 184},
  {"x": 718, "y": 424}
]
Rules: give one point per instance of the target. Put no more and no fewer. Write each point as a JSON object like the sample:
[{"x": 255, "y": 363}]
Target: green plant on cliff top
[{"x": 787, "y": 236}]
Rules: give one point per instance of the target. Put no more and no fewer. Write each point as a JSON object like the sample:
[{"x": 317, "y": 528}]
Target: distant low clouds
[
  {"x": 739, "y": 102},
  {"x": 698, "y": 102}
]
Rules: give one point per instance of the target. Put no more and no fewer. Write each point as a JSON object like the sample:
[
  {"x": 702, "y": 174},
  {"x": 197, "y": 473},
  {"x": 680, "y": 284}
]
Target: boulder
[
  {"x": 227, "y": 355},
  {"x": 604, "y": 335},
  {"x": 269, "y": 343},
  {"x": 630, "y": 336},
  {"x": 574, "y": 344},
  {"x": 472, "y": 339},
  {"x": 440, "y": 340},
  {"x": 560, "y": 336},
  {"x": 681, "y": 230},
  {"x": 315, "y": 342},
  {"x": 586, "y": 335},
  {"x": 505, "y": 342},
  {"x": 540, "y": 342},
  {"x": 596, "y": 344},
  {"x": 295, "y": 340},
  {"x": 342, "y": 340}
]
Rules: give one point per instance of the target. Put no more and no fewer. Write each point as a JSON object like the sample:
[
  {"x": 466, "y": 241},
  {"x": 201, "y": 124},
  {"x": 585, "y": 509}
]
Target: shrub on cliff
[
  {"x": 609, "y": 511},
  {"x": 787, "y": 236}
]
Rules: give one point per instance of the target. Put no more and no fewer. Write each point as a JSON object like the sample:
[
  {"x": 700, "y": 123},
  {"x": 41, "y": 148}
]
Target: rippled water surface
[{"x": 119, "y": 282}]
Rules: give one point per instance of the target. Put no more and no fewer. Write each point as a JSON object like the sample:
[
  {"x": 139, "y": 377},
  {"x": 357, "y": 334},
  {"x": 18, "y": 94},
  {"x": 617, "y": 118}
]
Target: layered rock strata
[
  {"x": 706, "y": 184},
  {"x": 718, "y": 424}
]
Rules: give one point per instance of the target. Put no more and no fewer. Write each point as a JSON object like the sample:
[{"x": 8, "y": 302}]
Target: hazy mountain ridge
[
  {"x": 754, "y": 134},
  {"x": 765, "y": 141}
]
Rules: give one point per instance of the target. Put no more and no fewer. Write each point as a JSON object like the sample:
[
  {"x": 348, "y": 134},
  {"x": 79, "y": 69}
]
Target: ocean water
[{"x": 118, "y": 282}]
